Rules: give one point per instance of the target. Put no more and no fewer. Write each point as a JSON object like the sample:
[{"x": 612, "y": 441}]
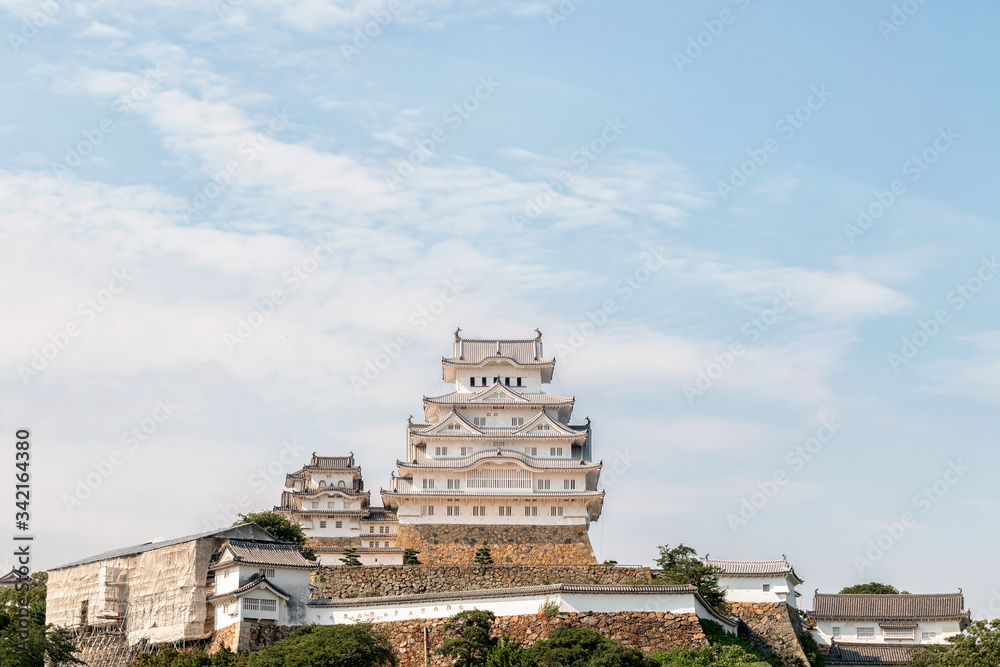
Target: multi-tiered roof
[
  {"x": 326, "y": 478},
  {"x": 498, "y": 435}
]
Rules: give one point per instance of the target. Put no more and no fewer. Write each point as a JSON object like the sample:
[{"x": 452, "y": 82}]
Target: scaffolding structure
[{"x": 129, "y": 601}]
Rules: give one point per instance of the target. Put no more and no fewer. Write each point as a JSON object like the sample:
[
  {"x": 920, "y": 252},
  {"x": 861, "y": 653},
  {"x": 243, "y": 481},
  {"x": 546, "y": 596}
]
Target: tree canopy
[
  {"x": 355, "y": 645},
  {"x": 873, "y": 587},
  {"x": 46, "y": 644},
  {"x": 467, "y": 637},
  {"x": 681, "y": 565},
  {"x": 279, "y": 526},
  {"x": 978, "y": 646},
  {"x": 582, "y": 647},
  {"x": 724, "y": 650}
]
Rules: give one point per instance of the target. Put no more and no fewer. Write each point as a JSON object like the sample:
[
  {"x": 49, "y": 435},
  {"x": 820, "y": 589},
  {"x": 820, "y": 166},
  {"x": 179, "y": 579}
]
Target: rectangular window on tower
[
  {"x": 531, "y": 450},
  {"x": 519, "y": 382},
  {"x": 473, "y": 382},
  {"x": 466, "y": 451},
  {"x": 484, "y": 382},
  {"x": 531, "y": 510},
  {"x": 440, "y": 451},
  {"x": 339, "y": 524},
  {"x": 555, "y": 451},
  {"x": 505, "y": 510},
  {"x": 556, "y": 510},
  {"x": 428, "y": 483},
  {"x": 371, "y": 545},
  {"x": 371, "y": 529},
  {"x": 479, "y": 510},
  {"x": 569, "y": 484},
  {"x": 479, "y": 421},
  {"x": 315, "y": 505},
  {"x": 507, "y": 381},
  {"x": 322, "y": 524},
  {"x": 544, "y": 484},
  {"x": 454, "y": 484},
  {"x": 517, "y": 421},
  {"x": 453, "y": 510},
  {"x": 427, "y": 510}
]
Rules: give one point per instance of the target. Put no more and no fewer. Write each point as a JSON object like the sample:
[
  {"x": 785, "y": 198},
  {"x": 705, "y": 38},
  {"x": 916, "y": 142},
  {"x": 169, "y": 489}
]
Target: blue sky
[{"x": 191, "y": 165}]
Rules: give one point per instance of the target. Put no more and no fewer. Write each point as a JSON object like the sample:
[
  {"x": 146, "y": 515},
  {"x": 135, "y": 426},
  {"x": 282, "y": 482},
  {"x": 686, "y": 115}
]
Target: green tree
[
  {"x": 168, "y": 656},
  {"x": 582, "y": 647},
  {"x": 483, "y": 556},
  {"x": 356, "y": 645},
  {"x": 279, "y": 526},
  {"x": 410, "y": 557},
  {"x": 978, "y": 646},
  {"x": 724, "y": 650},
  {"x": 45, "y": 644},
  {"x": 350, "y": 557},
  {"x": 610, "y": 562},
  {"x": 811, "y": 649},
  {"x": 467, "y": 637},
  {"x": 873, "y": 587},
  {"x": 681, "y": 565},
  {"x": 508, "y": 653}
]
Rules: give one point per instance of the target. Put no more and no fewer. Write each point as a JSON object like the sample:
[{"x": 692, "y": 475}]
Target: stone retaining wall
[
  {"x": 647, "y": 631},
  {"x": 773, "y": 627},
  {"x": 347, "y": 582},
  {"x": 511, "y": 545}
]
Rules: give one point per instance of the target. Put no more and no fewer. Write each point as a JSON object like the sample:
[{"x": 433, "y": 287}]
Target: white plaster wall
[
  {"x": 293, "y": 581},
  {"x": 848, "y": 632},
  {"x": 514, "y": 606},
  {"x": 574, "y": 511},
  {"x": 751, "y": 589},
  {"x": 531, "y": 379}
]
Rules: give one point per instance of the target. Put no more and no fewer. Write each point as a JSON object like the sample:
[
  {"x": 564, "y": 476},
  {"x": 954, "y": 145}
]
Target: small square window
[
  {"x": 322, "y": 524},
  {"x": 767, "y": 588},
  {"x": 339, "y": 524},
  {"x": 836, "y": 631}
]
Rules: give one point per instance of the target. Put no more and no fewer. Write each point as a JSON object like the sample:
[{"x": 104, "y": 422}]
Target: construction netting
[{"x": 154, "y": 596}]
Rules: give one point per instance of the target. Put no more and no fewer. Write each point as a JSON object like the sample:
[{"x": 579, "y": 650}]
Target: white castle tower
[{"x": 496, "y": 462}]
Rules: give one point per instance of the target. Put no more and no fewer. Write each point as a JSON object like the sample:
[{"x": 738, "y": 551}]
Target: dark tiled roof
[
  {"x": 13, "y": 577},
  {"x": 327, "y": 463},
  {"x": 888, "y": 607},
  {"x": 246, "y": 530},
  {"x": 273, "y": 554},
  {"x": 868, "y": 654},
  {"x": 380, "y": 514},
  {"x": 752, "y": 568}
]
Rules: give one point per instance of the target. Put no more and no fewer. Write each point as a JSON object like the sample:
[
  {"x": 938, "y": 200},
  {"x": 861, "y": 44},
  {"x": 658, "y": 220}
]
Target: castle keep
[{"x": 497, "y": 463}]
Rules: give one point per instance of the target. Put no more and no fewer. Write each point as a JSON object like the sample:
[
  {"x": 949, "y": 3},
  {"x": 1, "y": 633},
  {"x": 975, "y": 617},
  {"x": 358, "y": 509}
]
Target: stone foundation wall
[
  {"x": 226, "y": 637},
  {"x": 773, "y": 627},
  {"x": 441, "y": 544},
  {"x": 346, "y": 582},
  {"x": 333, "y": 542},
  {"x": 647, "y": 631}
]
